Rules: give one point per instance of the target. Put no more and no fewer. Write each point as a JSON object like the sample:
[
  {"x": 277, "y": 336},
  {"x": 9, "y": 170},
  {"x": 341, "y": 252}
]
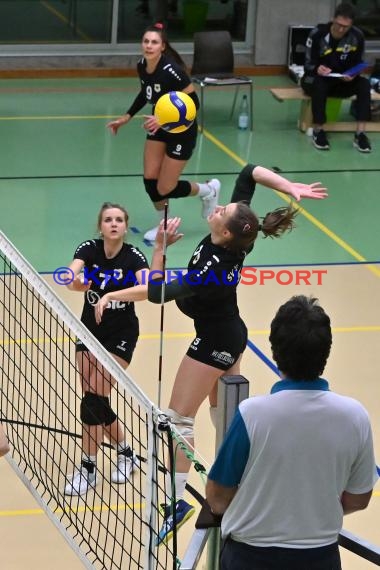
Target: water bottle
[
  {"x": 243, "y": 114},
  {"x": 375, "y": 83}
]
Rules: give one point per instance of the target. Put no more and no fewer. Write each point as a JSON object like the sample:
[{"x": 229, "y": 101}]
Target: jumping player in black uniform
[
  {"x": 165, "y": 155},
  {"x": 109, "y": 264},
  {"x": 207, "y": 294}
]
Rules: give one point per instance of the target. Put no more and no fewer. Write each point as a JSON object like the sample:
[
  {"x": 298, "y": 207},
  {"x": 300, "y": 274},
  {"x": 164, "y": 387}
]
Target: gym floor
[{"x": 59, "y": 163}]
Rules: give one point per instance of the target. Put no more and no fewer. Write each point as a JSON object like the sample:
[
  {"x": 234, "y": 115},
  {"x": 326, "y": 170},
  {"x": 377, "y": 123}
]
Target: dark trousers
[
  {"x": 240, "y": 556},
  {"x": 319, "y": 88}
]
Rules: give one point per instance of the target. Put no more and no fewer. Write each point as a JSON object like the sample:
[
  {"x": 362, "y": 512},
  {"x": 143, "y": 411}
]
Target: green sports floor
[{"x": 59, "y": 163}]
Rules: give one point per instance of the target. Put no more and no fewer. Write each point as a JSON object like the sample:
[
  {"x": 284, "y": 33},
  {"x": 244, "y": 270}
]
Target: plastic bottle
[
  {"x": 243, "y": 114},
  {"x": 375, "y": 83}
]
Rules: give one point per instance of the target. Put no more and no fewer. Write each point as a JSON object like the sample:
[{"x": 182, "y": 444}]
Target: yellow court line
[
  {"x": 58, "y": 118},
  {"x": 95, "y": 509},
  {"x": 322, "y": 227},
  {"x": 344, "y": 245},
  {"x": 155, "y": 336},
  {"x": 38, "y": 512},
  {"x": 65, "y": 117}
]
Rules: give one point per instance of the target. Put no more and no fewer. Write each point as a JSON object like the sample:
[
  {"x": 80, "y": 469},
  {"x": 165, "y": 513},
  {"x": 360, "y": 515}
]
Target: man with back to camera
[
  {"x": 336, "y": 47},
  {"x": 293, "y": 462}
]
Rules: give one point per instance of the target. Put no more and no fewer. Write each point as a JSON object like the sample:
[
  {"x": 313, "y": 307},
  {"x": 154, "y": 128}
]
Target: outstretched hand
[
  {"x": 314, "y": 191},
  {"x": 115, "y": 125},
  {"x": 172, "y": 234}
]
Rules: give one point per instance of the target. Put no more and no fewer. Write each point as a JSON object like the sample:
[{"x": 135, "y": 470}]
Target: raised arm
[
  {"x": 175, "y": 289},
  {"x": 251, "y": 175},
  {"x": 297, "y": 190}
]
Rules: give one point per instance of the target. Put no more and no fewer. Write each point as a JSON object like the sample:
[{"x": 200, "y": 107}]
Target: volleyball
[{"x": 175, "y": 111}]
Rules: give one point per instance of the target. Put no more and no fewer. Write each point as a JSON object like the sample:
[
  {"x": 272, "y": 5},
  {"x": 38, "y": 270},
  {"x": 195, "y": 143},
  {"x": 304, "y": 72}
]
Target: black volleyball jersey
[
  {"x": 213, "y": 275},
  {"x": 338, "y": 55},
  {"x": 109, "y": 275},
  {"x": 168, "y": 76}
]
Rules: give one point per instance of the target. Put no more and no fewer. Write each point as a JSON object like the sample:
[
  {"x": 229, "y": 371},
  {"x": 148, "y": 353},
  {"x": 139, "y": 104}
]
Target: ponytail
[{"x": 278, "y": 222}]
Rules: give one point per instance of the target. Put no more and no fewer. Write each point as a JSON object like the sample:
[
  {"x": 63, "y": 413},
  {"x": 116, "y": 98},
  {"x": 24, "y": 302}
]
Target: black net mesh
[{"x": 112, "y": 526}]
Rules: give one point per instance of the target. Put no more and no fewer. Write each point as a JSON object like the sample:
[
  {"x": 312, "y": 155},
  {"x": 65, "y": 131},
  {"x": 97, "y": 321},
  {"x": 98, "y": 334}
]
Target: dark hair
[
  {"x": 169, "y": 50},
  {"x": 346, "y": 10},
  {"x": 108, "y": 206},
  {"x": 244, "y": 225},
  {"x": 301, "y": 338},
  {"x": 278, "y": 222}
]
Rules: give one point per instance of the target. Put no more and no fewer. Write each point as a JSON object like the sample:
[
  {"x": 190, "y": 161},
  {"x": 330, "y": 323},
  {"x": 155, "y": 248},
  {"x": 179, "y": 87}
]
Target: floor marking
[
  {"x": 176, "y": 335},
  {"x": 322, "y": 227}
]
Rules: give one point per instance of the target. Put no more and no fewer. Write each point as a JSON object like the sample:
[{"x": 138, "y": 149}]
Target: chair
[{"x": 213, "y": 66}]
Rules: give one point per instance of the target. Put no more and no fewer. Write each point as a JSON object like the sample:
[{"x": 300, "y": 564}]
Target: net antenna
[{"x": 162, "y": 310}]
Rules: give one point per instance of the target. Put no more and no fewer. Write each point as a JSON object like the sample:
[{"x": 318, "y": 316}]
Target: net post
[{"x": 232, "y": 390}]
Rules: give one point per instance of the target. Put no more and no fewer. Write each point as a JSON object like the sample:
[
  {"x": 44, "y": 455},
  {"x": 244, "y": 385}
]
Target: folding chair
[{"x": 213, "y": 66}]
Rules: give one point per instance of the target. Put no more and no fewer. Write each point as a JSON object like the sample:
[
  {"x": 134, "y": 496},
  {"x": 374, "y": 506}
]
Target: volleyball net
[{"x": 113, "y": 526}]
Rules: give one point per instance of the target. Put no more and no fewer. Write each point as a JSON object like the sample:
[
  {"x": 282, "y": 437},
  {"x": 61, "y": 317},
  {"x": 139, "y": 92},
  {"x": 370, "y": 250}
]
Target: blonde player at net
[
  {"x": 99, "y": 270},
  {"x": 4, "y": 445}
]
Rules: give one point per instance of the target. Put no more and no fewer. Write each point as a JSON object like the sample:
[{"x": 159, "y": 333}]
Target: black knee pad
[
  {"x": 92, "y": 409},
  {"x": 109, "y": 414},
  {"x": 151, "y": 189},
  {"x": 182, "y": 190}
]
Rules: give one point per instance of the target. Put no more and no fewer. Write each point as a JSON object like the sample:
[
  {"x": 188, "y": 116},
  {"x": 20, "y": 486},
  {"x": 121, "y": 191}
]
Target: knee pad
[
  {"x": 151, "y": 189},
  {"x": 95, "y": 410},
  {"x": 182, "y": 190},
  {"x": 184, "y": 425},
  {"x": 92, "y": 409},
  {"x": 109, "y": 414}
]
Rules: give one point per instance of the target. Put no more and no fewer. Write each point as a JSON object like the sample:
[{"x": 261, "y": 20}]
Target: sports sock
[
  {"x": 180, "y": 480},
  {"x": 89, "y": 463},
  {"x": 123, "y": 448}
]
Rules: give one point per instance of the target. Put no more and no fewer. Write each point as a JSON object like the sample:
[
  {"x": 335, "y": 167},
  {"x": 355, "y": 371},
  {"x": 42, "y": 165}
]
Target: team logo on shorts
[
  {"x": 222, "y": 357},
  {"x": 122, "y": 346}
]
